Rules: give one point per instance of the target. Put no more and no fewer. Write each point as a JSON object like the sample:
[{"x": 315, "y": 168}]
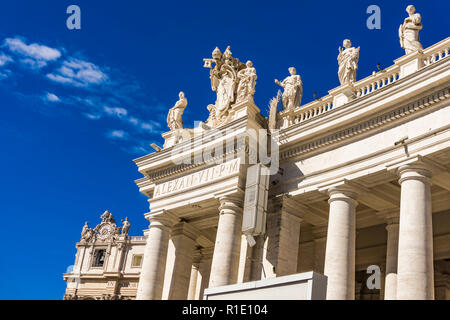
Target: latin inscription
[{"x": 197, "y": 178}]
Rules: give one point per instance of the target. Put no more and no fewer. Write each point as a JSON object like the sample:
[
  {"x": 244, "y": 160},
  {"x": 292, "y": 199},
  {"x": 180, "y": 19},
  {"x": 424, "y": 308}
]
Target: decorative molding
[{"x": 375, "y": 122}]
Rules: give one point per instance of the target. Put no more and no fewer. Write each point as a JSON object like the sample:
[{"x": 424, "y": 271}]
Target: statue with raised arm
[
  {"x": 174, "y": 120},
  {"x": 126, "y": 226},
  {"x": 408, "y": 32},
  {"x": 224, "y": 69},
  {"x": 348, "y": 62},
  {"x": 247, "y": 81},
  {"x": 293, "y": 90}
]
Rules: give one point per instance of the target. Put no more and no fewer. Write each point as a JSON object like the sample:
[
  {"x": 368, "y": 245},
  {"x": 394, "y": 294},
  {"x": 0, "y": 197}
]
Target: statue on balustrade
[
  {"x": 174, "y": 120},
  {"x": 247, "y": 81},
  {"x": 408, "y": 32},
  {"x": 86, "y": 233},
  {"x": 293, "y": 90},
  {"x": 226, "y": 78},
  {"x": 348, "y": 62},
  {"x": 126, "y": 226}
]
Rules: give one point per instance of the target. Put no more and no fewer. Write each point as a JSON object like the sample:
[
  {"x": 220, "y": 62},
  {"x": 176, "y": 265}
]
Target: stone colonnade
[{"x": 409, "y": 257}]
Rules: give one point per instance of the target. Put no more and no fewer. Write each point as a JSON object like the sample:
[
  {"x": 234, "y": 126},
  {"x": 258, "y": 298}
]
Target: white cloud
[
  {"x": 4, "y": 59},
  {"x": 35, "y": 55},
  {"x": 117, "y": 134},
  {"x": 78, "y": 73},
  {"x": 51, "y": 97},
  {"x": 116, "y": 111},
  {"x": 4, "y": 74},
  {"x": 91, "y": 116}
]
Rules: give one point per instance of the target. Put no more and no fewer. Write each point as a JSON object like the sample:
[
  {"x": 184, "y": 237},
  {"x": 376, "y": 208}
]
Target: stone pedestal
[
  {"x": 171, "y": 138},
  {"x": 225, "y": 262},
  {"x": 343, "y": 94},
  {"x": 410, "y": 63},
  {"x": 415, "y": 247},
  {"x": 243, "y": 109},
  {"x": 340, "y": 247},
  {"x": 151, "y": 279}
]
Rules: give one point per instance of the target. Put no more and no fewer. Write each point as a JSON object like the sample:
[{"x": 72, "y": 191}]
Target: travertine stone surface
[
  {"x": 280, "y": 257},
  {"x": 348, "y": 62},
  {"x": 174, "y": 118},
  {"x": 408, "y": 32},
  {"x": 204, "y": 272},
  {"x": 390, "y": 285},
  {"x": 340, "y": 248},
  {"x": 154, "y": 265},
  {"x": 225, "y": 262},
  {"x": 415, "y": 247},
  {"x": 293, "y": 89},
  {"x": 179, "y": 267}
]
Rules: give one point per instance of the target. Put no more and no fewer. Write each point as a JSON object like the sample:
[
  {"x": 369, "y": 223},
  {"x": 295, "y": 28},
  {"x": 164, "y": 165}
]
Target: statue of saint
[
  {"x": 224, "y": 69},
  {"x": 107, "y": 217},
  {"x": 293, "y": 90},
  {"x": 126, "y": 226},
  {"x": 348, "y": 62},
  {"x": 174, "y": 120},
  {"x": 408, "y": 32},
  {"x": 247, "y": 81},
  {"x": 86, "y": 232}
]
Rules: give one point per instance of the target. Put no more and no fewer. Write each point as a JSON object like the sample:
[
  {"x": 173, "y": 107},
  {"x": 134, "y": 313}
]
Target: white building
[{"x": 363, "y": 179}]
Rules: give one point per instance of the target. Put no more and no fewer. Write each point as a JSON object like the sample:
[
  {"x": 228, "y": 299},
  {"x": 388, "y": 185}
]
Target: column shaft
[
  {"x": 340, "y": 247},
  {"x": 154, "y": 264},
  {"x": 225, "y": 262},
  {"x": 390, "y": 284},
  {"x": 415, "y": 248}
]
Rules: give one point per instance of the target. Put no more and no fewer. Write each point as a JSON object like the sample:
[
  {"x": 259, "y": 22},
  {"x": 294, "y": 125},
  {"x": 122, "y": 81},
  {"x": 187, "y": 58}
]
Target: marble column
[
  {"x": 415, "y": 276},
  {"x": 320, "y": 242},
  {"x": 192, "y": 293},
  {"x": 245, "y": 261},
  {"x": 340, "y": 247},
  {"x": 390, "y": 283},
  {"x": 225, "y": 262},
  {"x": 281, "y": 247},
  {"x": 204, "y": 271},
  {"x": 151, "y": 280},
  {"x": 179, "y": 268}
]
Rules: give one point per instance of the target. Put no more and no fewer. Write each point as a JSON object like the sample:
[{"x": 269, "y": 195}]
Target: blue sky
[{"x": 78, "y": 106}]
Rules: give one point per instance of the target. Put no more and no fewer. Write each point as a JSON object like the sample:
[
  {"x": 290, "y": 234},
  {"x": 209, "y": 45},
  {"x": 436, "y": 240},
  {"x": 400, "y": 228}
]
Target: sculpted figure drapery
[
  {"x": 86, "y": 232},
  {"x": 174, "y": 118},
  {"x": 293, "y": 90},
  {"x": 408, "y": 32},
  {"x": 348, "y": 62},
  {"x": 225, "y": 81},
  {"x": 247, "y": 81}
]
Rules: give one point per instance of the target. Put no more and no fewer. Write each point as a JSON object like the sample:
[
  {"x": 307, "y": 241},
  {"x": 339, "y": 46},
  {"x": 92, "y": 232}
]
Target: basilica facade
[{"x": 353, "y": 181}]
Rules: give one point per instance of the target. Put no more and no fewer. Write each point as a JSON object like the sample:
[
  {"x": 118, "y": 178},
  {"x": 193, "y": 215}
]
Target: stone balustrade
[
  {"x": 364, "y": 86},
  {"x": 436, "y": 52}
]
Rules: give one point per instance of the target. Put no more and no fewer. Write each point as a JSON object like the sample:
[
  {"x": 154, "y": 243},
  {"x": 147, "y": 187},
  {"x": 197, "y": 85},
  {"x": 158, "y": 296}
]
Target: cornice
[
  {"x": 375, "y": 122},
  {"x": 165, "y": 153}
]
